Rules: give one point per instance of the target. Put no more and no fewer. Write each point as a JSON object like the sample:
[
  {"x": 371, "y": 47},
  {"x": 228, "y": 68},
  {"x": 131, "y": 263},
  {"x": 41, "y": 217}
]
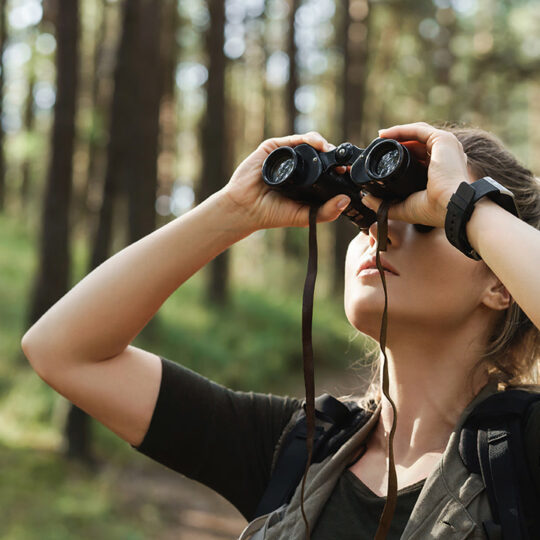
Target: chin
[{"x": 365, "y": 317}]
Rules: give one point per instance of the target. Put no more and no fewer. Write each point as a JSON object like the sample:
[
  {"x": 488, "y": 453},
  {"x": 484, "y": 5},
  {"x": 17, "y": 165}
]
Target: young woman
[{"x": 456, "y": 327}]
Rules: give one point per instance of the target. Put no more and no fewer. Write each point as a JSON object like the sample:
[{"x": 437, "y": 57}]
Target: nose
[{"x": 394, "y": 236}]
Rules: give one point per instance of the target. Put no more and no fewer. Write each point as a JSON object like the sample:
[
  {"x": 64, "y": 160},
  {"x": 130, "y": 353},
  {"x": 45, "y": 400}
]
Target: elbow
[{"x": 31, "y": 349}]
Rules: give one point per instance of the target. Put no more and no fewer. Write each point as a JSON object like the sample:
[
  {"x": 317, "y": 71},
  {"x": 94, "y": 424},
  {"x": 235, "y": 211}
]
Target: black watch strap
[{"x": 461, "y": 206}]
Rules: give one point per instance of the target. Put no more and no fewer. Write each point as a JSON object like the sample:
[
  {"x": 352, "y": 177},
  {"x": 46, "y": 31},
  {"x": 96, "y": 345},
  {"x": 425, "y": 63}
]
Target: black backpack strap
[
  {"x": 491, "y": 444},
  {"x": 335, "y": 423}
]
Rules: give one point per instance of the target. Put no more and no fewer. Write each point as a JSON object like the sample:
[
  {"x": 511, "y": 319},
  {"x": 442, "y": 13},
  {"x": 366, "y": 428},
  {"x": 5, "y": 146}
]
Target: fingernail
[
  {"x": 330, "y": 146},
  {"x": 366, "y": 200},
  {"x": 343, "y": 202}
]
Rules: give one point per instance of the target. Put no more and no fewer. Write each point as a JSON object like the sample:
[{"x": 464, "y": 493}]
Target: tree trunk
[
  {"x": 120, "y": 133},
  {"x": 354, "y": 45},
  {"x": 293, "y": 238},
  {"x": 54, "y": 262},
  {"x": 168, "y": 128},
  {"x": 98, "y": 99},
  {"x": 3, "y": 41},
  {"x": 29, "y": 121},
  {"x": 77, "y": 429},
  {"x": 142, "y": 184},
  {"x": 53, "y": 276},
  {"x": 214, "y": 137}
]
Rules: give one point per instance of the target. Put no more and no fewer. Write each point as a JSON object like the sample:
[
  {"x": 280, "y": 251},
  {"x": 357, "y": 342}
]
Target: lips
[{"x": 370, "y": 262}]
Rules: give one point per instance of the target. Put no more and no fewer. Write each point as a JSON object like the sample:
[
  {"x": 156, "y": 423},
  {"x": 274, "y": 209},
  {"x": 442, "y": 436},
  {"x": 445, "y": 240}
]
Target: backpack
[{"x": 491, "y": 444}]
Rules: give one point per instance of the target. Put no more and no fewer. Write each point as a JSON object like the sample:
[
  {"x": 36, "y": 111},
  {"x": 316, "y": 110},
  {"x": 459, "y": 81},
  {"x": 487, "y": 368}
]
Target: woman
[{"x": 445, "y": 311}]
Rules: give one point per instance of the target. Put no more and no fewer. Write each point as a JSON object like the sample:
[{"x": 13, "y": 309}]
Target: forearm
[
  {"x": 102, "y": 314},
  {"x": 511, "y": 248}
]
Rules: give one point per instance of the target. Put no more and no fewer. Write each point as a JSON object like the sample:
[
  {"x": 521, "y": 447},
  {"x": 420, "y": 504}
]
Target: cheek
[{"x": 436, "y": 287}]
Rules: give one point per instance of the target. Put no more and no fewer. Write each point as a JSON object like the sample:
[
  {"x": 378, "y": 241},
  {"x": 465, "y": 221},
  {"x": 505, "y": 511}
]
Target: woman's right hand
[{"x": 265, "y": 208}]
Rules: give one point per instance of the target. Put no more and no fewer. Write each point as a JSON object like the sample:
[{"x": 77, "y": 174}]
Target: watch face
[{"x": 501, "y": 188}]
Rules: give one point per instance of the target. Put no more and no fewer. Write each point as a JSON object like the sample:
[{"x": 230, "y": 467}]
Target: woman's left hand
[{"x": 447, "y": 169}]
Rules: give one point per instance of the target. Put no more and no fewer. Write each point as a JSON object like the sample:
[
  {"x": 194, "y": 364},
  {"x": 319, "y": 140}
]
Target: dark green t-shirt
[
  {"x": 353, "y": 511},
  {"x": 226, "y": 440}
]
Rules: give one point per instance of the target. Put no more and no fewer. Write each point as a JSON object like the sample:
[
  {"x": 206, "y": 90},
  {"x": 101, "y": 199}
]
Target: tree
[
  {"x": 120, "y": 133},
  {"x": 99, "y": 101},
  {"x": 143, "y": 150},
  {"x": 52, "y": 280},
  {"x": 214, "y": 169},
  {"x": 3, "y": 41},
  {"x": 292, "y": 240},
  {"x": 77, "y": 428},
  {"x": 354, "y": 44},
  {"x": 168, "y": 124}
]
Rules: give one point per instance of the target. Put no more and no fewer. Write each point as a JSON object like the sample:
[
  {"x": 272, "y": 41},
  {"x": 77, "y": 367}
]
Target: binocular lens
[
  {"x": 278, "y": 169},
  {"x": 387, "y": 163}
]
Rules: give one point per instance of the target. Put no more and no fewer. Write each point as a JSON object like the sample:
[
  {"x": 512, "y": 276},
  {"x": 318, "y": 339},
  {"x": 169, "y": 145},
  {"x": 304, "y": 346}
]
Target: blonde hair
[{"x": 512, "y": 356}]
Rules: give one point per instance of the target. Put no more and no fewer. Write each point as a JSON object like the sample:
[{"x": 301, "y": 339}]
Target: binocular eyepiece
[{"x": 386, "y": 169}]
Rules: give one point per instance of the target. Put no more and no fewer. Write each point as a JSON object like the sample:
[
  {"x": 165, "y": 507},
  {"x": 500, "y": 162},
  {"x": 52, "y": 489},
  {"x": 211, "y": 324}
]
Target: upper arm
[{"x": 121, "y": 392}]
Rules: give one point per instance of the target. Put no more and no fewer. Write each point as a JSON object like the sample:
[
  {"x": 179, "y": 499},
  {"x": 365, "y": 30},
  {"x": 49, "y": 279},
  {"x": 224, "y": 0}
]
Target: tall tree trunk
[
  {"x": 293, "y": 238},
  {"x": 29, "y": 121},
  {"x": 266, "y": 93},
  {"x": 214, "y": 137},
  {"x": 167, "y": 117},
  {"x": 3, "y": 41},
  {"x": 142, "y": 185},
  {"x": 53, "y": 277},
  {"x": 354, "y": 32},
  {"x": 98, "y": 104},
  {"x": 292, "y": 83},
  {"x": 77, "y": 429},
  {"x": 120, "y": 133}
]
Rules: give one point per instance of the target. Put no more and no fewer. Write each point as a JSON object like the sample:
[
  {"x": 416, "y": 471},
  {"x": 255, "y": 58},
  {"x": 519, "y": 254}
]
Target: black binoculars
[{"x": 386, "y": 169}]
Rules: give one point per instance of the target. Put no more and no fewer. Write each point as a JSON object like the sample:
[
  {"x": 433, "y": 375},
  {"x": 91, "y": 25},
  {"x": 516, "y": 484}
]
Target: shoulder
[{"x": 335, "y": 420}]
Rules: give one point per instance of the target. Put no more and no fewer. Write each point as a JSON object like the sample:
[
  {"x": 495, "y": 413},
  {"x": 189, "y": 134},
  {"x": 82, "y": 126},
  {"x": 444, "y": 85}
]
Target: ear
[{"x": 496, "y": 295}]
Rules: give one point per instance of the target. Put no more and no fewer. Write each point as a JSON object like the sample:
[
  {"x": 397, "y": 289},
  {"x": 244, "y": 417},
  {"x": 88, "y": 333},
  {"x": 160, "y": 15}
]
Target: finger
[
  {"x": 418, "y": 131},
  {"x": 312, "y": 138},
  {"x": 418, "y": 150},
  {"x": 409, "y": 210},
  {"x": 329, "y": 211}
]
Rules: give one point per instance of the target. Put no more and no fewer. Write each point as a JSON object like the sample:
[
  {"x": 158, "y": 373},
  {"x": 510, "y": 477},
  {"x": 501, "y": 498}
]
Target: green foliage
[
  {"x": 44, "y": 496},
  {"x": 254, "y": 343}
]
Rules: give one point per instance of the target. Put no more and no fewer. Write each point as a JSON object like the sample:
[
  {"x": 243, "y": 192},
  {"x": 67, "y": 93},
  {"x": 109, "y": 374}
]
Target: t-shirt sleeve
[{"x": 219, "y": 437}]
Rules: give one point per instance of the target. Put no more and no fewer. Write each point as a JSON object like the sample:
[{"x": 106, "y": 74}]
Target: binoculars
[{"x": 386, "y": 169}]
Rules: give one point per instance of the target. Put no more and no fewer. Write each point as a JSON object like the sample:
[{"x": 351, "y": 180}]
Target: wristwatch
[{"x": 461, "y": 206}]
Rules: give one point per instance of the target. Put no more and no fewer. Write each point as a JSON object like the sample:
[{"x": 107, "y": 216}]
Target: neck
[{"x": 430, "y": 384}]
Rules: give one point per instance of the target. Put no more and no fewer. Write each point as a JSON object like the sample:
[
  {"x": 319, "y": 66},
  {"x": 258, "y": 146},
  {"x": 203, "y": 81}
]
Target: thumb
[{"x": 332, "y": 208}]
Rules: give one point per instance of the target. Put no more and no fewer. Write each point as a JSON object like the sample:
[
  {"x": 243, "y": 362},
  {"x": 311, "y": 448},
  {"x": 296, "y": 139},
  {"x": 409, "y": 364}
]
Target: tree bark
[
  {"x": 120, "y": 133},
  {"x": 168, "y": 123},
  {"x": 214, "y": 137},
  {"x": 293, "y": 239},
  {"x": 52, "y": 281},
  {"x": 99, "y": 101},
  {"x": 29, "y": 121},
  {"x": 354, "y": 32},
  {"x": 142, "y": 181},
  {"x": 3, "y": 41},
  {"x": 53, "y": 276}
]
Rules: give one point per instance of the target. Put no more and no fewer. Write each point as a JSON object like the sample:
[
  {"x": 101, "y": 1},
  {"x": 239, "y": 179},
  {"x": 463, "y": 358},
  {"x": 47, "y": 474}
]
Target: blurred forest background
[{"x": 118, "y": 116}]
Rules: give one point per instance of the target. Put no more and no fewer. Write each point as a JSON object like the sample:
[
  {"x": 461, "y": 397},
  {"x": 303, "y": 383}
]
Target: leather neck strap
[
  {"x": 391, "y": 490},
  {"x": 309, "y": 381}
]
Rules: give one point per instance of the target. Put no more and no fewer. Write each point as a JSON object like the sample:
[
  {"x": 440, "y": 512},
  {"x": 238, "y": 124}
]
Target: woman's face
[{"x": 430, "y": 283}]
